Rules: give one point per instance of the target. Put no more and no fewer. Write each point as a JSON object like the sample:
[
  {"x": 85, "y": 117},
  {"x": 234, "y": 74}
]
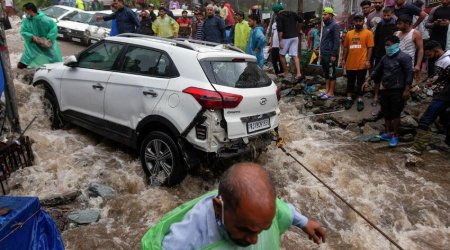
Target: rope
[
  {"x": 280, "y": 146},
  {"x": 16, "y": 226}
]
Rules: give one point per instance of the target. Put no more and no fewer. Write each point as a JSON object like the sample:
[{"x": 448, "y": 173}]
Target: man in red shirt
[{"x": 185, "y": 25}]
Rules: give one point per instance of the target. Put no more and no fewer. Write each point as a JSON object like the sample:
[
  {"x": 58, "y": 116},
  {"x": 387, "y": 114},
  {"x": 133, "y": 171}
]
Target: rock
[
  {"x": 364, "y": 138},
  {"x": 286, "y": 92},
  {"x": 273, "y": 77},
  {"x": 368, "y": 130},
  {"x": 413, "y": 161},
  {"x": 408, "y": 121},
  {"x": 353, "y": 127},
  {"x": 86, "y": 216},
  {"x": 377, "y": 126},
  {"x": 60, "y": 199},
  {"x": 341, "y": 86},
  {"x": 407, "y": 138},
  {"x": 309, "y": 105},
  {"x": 96, "y": 189}
]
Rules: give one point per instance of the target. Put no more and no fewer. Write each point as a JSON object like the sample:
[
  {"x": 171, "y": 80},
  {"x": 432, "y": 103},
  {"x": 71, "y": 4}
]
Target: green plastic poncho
[
  {"x": 39, "y": 26},
  {"x": 268, "y": 239}
]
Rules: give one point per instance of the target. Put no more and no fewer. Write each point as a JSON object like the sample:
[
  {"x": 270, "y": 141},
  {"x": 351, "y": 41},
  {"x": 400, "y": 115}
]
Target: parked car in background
[
  {"x": 73, "y": 26},
  {"x": 96, "y": 31},
  {"x": 56, "y": 12},
  {"x": 137, "y": 90}
]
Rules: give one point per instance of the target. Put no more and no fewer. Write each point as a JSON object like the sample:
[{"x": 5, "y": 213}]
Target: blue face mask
[{"x": 391, "y": 50}]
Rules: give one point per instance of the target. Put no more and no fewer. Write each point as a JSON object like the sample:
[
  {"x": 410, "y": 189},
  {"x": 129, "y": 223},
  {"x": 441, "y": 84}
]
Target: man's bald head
[
  {"x": 246, "y": 202},
  {"x": 246, "y": 181}
]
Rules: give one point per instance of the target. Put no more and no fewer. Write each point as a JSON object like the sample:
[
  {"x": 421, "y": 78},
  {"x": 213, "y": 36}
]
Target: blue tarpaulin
[
  {"x": 2, "y": 79},
  {"x": 27, "y": 226}
]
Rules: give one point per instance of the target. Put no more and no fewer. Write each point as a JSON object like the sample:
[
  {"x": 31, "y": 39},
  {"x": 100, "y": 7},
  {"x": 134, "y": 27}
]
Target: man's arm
[
  {"x": 175, "y": 28},
  {"x": 336, "y": 42},
  {"x": 310, "y": 227},
  {"x": 345, "y": 52},
  {"x": 430, "y": 22},
  {"x": 369, "y": 43},
  {"x": 108, "y": 17},
  {"x": 419, "y": 45},
  {"x": 134, "y": 20},
  {"x": 53, "y": 32},
  {"x": 422, "y": 16},
  {"x": 222, "y": 28},
  {"x": 25, "y": 31}
]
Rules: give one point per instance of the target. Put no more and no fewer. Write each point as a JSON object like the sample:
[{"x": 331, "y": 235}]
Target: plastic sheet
[{"x": 27, "y": 226}]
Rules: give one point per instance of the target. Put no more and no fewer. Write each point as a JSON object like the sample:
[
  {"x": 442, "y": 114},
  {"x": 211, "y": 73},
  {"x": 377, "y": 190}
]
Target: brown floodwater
[{"x": 410, "y": 204}]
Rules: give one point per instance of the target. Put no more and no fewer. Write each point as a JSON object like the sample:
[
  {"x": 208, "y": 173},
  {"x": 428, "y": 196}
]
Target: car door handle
[
  {"x": 150, "y": 92},
  {"x": 98, "y": 86}
]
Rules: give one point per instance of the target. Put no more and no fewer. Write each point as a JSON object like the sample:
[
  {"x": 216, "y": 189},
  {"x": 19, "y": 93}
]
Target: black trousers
[
  {"x": 276, "y": 63},
  {"x": 358, "y": 77}
]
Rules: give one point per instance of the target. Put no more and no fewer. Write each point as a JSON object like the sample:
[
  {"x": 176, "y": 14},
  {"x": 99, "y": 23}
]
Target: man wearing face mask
[
  {"x": 244, "y": 213},
  {"x": 39, "y": 33},
  {"x": 395, "y": 73}
]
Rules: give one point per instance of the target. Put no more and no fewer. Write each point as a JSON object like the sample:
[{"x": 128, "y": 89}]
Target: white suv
[{"x": 178, "y": 102}]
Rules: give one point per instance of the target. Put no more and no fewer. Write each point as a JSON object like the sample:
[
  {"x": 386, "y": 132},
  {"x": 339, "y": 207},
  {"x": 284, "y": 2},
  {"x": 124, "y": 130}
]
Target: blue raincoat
[
  {"x": 114, "y": 30},
  {"x": 257, "y": 40}
]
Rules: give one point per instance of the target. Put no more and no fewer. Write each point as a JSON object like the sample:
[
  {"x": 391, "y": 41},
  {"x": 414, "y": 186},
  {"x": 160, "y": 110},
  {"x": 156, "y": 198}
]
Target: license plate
[
  {"x": 60, "y": 35},
  {"x": 75, "y": 39},
  {"x": 259, "y": 125}
]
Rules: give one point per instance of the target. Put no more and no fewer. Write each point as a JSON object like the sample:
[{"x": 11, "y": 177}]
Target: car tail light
[
  {"x": 278, "y": 93},
  {"x": 214, "y": 99}
]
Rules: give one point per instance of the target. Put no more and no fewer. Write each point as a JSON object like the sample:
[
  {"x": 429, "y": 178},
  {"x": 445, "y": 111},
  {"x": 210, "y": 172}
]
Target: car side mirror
[{"x": 71, "y": 61}]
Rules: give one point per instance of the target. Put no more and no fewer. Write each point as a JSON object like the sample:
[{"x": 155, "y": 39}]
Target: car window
[
  {"x": 54, "y": 11},
  {"x": 104, "y": 24},
  {"x": 81, "y": 17},
  {"x": 101, "y": 57},
  {"x": 147, "y": 62},
  {"x": 236, "y": 74}
]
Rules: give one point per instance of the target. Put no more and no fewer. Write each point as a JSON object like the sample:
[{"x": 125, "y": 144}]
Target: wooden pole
[{"x": 10, "y": 98}]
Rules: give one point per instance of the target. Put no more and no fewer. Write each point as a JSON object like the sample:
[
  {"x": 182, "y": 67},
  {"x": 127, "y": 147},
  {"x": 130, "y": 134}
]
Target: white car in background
[
  {"x": 56, "y": 12},
  {"x": 73, "y": 26},
  {"x": 98, "y": 30}
]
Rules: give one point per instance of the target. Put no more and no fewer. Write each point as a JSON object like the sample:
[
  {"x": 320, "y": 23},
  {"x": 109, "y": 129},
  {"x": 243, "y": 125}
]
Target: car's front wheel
[
  {"x": 161, "y": 159},
  {"x": 51, "y": 109}
]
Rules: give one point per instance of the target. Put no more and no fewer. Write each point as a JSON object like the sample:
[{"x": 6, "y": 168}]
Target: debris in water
[
  {"x": 96, "y": 189},
  {"x": 60, "y": 199},
  {"x": 86, "y": 216},
  {"x": 413, "y": 161}
]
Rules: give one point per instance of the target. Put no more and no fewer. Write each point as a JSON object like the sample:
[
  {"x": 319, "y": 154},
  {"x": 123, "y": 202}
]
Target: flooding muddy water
[{"x": 412, "y": 205}]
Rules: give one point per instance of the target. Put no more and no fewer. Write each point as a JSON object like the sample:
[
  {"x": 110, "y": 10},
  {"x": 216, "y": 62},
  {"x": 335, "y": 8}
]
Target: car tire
[
  {"x": 51, "y": 109},
  {"x": 161, "y": 160}
]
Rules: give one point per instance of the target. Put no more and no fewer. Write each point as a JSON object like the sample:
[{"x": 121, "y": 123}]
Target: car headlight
[{"x": 87, "y": 33}]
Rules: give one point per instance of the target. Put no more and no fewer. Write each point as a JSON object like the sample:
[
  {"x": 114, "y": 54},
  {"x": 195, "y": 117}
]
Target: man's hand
[
  {"x": 417, "y": 73},
  {"x": 444, "y": 22},
  {"x": 99, "y": 18},
  {"x": 365, "y": 85},
  {"x": 281, "y": 44},
  {"x": 333, "y": 59},
  {"x": 314, "y": 231},
  {"x": 368, "y": 65},
  {"x": 406, "y": 94},
  {"x": 343, "y": 63},
  {"x": 34, "y": 38}
]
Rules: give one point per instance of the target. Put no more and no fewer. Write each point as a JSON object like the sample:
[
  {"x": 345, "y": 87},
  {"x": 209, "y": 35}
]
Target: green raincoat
[
  {"x": 39, "y": 26},
  {"x": 268, "y": 239}
]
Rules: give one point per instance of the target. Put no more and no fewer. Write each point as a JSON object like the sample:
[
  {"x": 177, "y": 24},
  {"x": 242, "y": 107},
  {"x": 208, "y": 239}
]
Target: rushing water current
[{"x": 411, "y": 205}]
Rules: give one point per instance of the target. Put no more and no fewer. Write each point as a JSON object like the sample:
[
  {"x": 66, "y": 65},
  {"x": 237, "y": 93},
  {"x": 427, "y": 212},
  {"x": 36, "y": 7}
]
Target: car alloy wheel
[{"x": 161, "y": 159}]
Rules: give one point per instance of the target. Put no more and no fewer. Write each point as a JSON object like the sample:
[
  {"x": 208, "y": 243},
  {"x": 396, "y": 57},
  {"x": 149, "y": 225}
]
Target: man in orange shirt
[{"x": 358, "y": 44}]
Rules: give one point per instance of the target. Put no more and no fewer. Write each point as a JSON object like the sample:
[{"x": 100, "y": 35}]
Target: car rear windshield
[
  {"x": 236, "y": 74},
  {"x": 54, "y": 12}
]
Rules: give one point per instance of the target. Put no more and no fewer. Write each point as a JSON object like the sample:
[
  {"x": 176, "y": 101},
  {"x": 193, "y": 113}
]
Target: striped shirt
[
  {"x": 199, "y": 31},
  {"x": 407, "y": 44}
]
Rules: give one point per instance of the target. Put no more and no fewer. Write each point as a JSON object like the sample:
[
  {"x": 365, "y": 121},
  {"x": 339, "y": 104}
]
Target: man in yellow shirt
[
  {"x": 165, "y": 26},
  {"x": 241, "y": 31}
]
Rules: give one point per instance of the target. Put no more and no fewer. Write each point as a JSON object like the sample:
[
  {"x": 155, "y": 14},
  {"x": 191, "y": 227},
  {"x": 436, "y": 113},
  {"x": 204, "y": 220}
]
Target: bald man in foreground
[{"x": 243, "y": 214}]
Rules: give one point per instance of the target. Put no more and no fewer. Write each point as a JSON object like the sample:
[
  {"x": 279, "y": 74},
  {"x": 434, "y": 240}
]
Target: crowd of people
[{"x": 389, "y": 45}]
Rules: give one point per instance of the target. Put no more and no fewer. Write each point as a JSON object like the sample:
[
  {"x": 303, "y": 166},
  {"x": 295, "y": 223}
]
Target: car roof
[
  {"x": 168, "y": 45},
  {"x": 63, "y": 7}
]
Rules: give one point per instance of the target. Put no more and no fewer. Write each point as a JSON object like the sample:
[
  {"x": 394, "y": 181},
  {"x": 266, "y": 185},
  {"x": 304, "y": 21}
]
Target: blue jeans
[{"x": 435, "y": 109}]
